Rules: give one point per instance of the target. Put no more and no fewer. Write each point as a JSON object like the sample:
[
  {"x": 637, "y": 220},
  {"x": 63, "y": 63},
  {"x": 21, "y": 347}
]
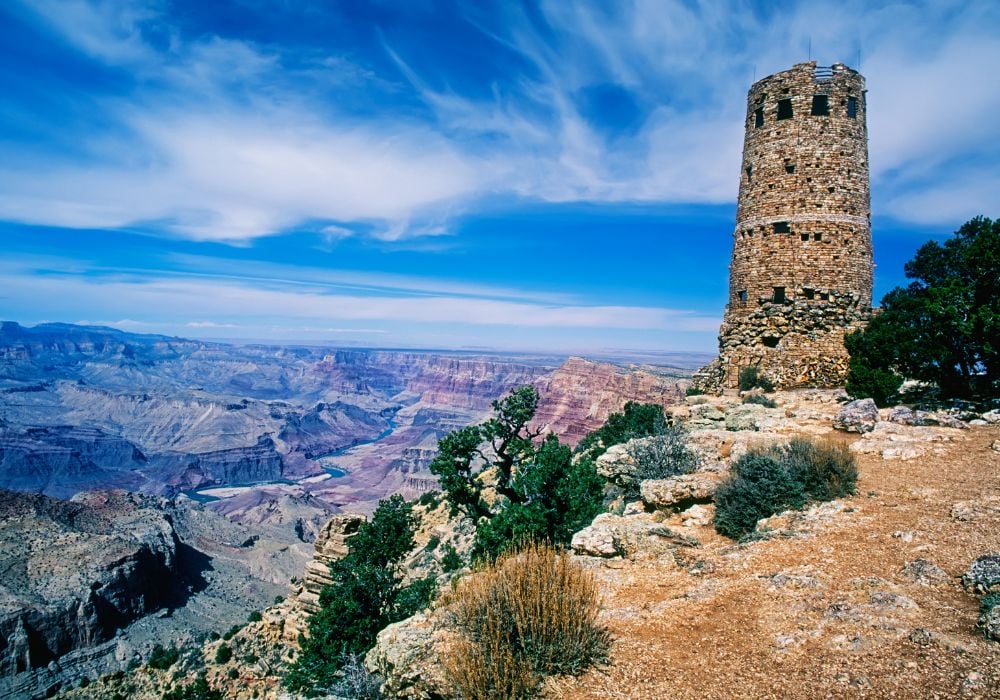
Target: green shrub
[
  {"x": 279, "y": 599},
  {"x": 430, "y": 499},
  {"x": 988, "y": 602},
  {"x": 635, "y": 421},
  {"x": 162, "y": 657},
  {"x": 531, "y": 613},
  {"x": 760, "y": 400},
  {"x": 753, "y": 378},
  {"x": 863, "y": 382},
  {"x": 223, "y": 654},
  {"x": 452, "y": 560},
  {"x": 767, "y": 481},
  {"x": 250, "y": 658},
  {"x": 664, "y": 456},
  {"x": 694, "y": 391},
  {"x": 199, "y": 690},
  {"x": 231, "y": 632},
  {"x": 544, "y": 494},
  {"x": 255, "y": 616},
  {"x": 432, "y": 543},
  {"x": 232, "y": 674},
  {"x": 826, "y": 470},
  {"x": 366, "y": 595}
]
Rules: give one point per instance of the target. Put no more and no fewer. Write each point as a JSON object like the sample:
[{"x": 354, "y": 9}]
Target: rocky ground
[
  {"x": 857, "y": 598},
  {"x": 860, "y": 597}
]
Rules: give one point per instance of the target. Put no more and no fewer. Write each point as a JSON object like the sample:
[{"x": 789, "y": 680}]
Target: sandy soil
[{"x": 831, "y": 615}]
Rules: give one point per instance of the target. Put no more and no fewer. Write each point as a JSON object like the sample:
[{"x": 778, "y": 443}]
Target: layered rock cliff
[
  {"x": 578, "y": 396},
  {"x": 72, "y": 573}
]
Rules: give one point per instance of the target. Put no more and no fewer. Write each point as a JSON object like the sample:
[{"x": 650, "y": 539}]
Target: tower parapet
[{"x": 801, "y": 271}]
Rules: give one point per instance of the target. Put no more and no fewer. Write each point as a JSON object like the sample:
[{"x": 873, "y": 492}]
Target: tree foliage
[
  {"x": 543, "y": 495},
  {"x": 366, "y": 595},
  {"x": 635, "y": 421},
  {"x": 943, "y": 328}
]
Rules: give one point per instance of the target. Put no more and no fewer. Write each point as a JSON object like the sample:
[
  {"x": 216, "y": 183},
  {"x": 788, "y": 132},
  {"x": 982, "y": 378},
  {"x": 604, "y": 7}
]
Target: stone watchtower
[{"x": 801, "y": 271}]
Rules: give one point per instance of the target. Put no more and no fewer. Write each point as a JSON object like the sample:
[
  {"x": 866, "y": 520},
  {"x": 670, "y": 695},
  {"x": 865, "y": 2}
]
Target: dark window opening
[
  {"x": 742, "y": 296},
  {"x": 805, "y": 236},
  {"x": 852, "y": 107},
  {"x": 830, "y": 189},
  {"x": 779, "y": 295},
  {"x": 809, "y": 293},
  {"x": 823, "y": 296},
  {"x": 781, "y": 227},
  {"x": 817, "y": 236},
  {"x": 758, "y": 118},
  {"x": 821, "y": 106},
  {"x": 789, "y": 168},
  {"x": 750, "y": 174},
  {"x": 785, "y": 108},
  {"x": 770, "y": 341}
]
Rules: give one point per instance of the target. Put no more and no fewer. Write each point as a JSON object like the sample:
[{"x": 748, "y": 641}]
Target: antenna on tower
[{"x": 859, "y": 58}]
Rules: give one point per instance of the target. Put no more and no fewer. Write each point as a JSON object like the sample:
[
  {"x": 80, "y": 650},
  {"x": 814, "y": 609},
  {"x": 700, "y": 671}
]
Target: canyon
[{"x": 233, "y": 458}]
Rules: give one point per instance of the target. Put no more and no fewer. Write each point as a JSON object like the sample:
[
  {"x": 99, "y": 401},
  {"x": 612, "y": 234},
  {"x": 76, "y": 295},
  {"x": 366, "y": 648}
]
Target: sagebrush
[
  {"x": 781, "y": 477},
  {"x": 663, "y": 456},
  {"x": 532, "y": 613}
]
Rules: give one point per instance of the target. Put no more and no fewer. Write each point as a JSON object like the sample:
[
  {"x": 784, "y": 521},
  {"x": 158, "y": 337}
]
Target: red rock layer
[{"x": 578, "y": 396}]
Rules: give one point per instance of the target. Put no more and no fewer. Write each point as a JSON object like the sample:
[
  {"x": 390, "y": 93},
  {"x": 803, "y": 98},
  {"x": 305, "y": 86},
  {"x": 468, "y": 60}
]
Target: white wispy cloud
[{"x": 218, "y": 143}]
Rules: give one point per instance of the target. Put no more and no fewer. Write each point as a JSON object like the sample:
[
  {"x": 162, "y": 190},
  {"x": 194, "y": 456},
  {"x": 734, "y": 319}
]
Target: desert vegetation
[
  {"x": 781, "y": 477},
  {"x": 367, "y": 595},
  {"x": 530, "y": 614},
  {"x": 515, "y": 490},
  {"x": 943, "y": 328}
]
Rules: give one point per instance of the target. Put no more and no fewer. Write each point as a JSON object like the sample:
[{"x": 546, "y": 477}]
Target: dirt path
[{"x": 833, "y": 615}]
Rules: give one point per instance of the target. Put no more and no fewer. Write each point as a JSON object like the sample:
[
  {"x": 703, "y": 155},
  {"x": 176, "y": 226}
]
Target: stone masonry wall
[{"x": 801, "y": 269}]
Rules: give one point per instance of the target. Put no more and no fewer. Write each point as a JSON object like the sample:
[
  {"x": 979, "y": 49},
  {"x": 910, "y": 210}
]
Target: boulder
[
  {"x": 407, "y": 654},
  {"x": 746, "y": 417},
  {"x": 925, "y": 573},
  {"x": 698, "y": 515},
  {"x": 989, "y": 623},
  {"x": 857, "y": 416},
  {"x": 617, "y": 465},
  {"x": 983, "y": 575},
  {"x": 902, "y": 415},
  {"x": 636, "y": 536},
  {"x": 677, "y": 490}
]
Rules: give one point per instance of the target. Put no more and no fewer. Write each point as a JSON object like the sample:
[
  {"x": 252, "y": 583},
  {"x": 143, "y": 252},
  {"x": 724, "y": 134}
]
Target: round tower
[{"x": 801, "y": 270}]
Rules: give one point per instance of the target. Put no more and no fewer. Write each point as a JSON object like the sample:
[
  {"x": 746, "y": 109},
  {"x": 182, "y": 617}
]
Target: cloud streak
[{"x": 225, "y": 139}]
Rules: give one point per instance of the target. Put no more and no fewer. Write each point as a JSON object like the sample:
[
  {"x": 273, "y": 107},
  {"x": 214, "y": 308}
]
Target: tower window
[
  {"x": 742, "y": 296},
  {"x": 852, "y": 107},
  {"x": 781, "y": 227},
  {"x": 789, "y": 168},
  {"x": 749, "y": 174},
  {"x": 821, "y": 106},
  {"x": 758, "y": 118},
  {"x": 785, "y": 108},
  {"x": 779, "y": 295},
  {"x": 809, "y": 293},
  {"x": 770, "y": 341},
  {"x": 805, "y": 236},
  {"x": 824, "y": 296},
  {"x": 817, "y": 236}
]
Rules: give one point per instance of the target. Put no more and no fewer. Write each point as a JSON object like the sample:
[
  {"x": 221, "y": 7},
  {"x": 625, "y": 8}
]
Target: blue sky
[{"x": 556, "y": 176}]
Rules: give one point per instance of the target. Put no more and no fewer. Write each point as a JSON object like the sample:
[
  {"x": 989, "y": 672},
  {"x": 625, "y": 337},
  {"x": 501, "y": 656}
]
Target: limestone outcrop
[
  {"x": 73, "y": 573},
  {"x": 858, "y": 416}
]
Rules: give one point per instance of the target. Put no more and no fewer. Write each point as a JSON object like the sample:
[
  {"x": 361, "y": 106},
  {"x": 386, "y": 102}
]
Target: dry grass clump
[{"x": 532, "y": 613}]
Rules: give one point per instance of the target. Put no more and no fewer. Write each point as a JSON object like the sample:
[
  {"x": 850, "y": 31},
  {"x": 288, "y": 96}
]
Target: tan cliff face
[{"x": 579, "y": 396}]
